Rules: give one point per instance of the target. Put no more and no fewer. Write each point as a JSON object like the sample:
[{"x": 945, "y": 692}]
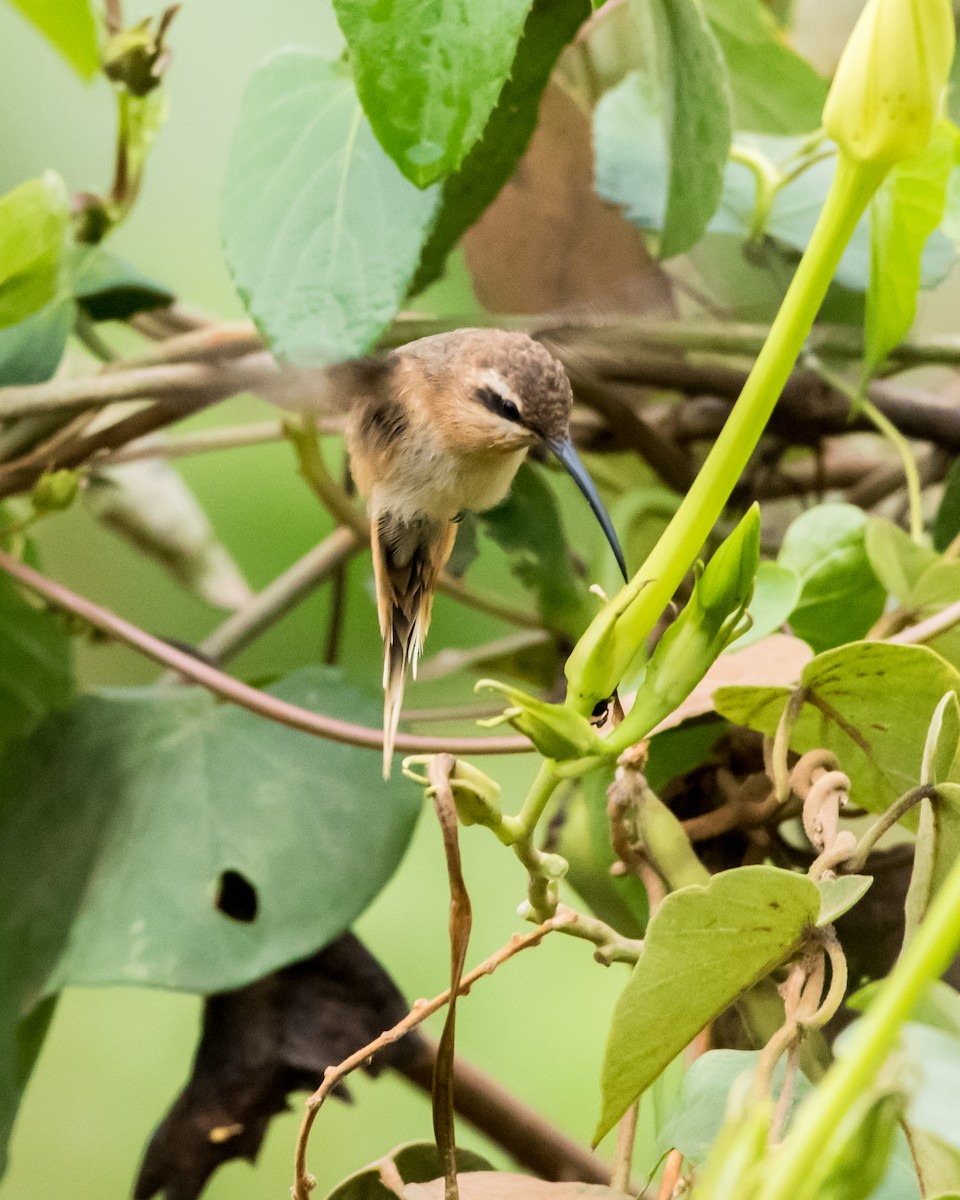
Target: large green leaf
[
  {"x": 704, "y": 947},
  {"x": 840, "y": 597},
  {"x": 123, "y": 814},
  {"x": 321, "y": 231},
  {"x": 162, "y": 839},
  {"x": 69, "y": 26},
  {"x": 897, "y": 560},
  {"x": 550, "y": 26},
  {"x": 871, "y": 703},
  {"x": 35, "y": 664},
  {"x": 661, "y": 137},
  {"x": 905, "y": 211},
  {"x": 429, "y": 73},
  {"x": 33, "y": 230},
  {"x": 774, "y": 89},
  {"x": 527, "y": 525}
]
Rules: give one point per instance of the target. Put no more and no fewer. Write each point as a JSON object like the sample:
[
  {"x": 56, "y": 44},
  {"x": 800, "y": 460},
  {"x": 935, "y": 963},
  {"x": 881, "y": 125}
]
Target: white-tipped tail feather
[{"x": 407, "y": 558}]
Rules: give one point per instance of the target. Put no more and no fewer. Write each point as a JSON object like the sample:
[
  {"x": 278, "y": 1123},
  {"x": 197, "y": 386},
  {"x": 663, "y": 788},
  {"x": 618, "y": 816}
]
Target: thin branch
[
  {"x": 527, "y": 1138},
  {"x": 945, "y": 619},
  {"x": 232, "y": 437},
  {"x": 241, "y": 694},
  {"x": 279, "y": 597},
  {"x": 231, "y": 339},
  {"x": 303, "y": 1181}
]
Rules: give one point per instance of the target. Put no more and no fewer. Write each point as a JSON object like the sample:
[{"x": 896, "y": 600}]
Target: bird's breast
[{"x": 421, "y": 477}]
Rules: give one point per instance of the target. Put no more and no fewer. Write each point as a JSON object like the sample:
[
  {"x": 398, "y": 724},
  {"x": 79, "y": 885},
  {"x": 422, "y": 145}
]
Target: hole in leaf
[{"x": 236, "y": 897}]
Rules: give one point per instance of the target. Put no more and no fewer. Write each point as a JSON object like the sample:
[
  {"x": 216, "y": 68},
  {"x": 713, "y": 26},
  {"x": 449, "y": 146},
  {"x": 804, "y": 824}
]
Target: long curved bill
[{"x": 578, "y": 473}]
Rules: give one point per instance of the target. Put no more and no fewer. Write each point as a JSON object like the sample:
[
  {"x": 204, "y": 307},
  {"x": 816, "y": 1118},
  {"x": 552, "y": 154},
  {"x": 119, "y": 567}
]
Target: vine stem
[
  {"x": 303, "y": 1181},
  {"x": 241, "y": 694},
  {"x": 924, "y": 960},
  {"x": 651, "y": 589}
]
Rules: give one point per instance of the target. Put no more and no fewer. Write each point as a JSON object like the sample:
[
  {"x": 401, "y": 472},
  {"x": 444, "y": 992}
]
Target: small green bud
[
  {"x": 557, "y": 732},
  {"x": 713, "y": 616},
  {"x": 55, "y": 491},
  {"x": 137, "y": 57},
  {"x": 888, "y": 85}
]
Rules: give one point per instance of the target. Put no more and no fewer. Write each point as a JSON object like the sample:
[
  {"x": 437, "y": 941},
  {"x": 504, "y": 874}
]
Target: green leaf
[
  {"x": 796, "y": 207},
  {"x": 839, "y": 895},
  {"x": 841, "y": 597},
  {"x": 905, "y": 211},
  {"x": 698, "y": 1115},
  {"x": 946, "y": 524},
  {"x": 429, "y": 74},
  {"x": 704, "y": 947},
  {"x": 154, "y": 795},
  {"x": 110, "y": 289},
  {"x": 897, "y": 560},
  {"x": 33, "y": 230},
  {"x": 933, "y": 1101},
  {"x": 938, "y": 587},
  {"x": 774, "y": 89},
  {"x": 776, "y": 590},
  {"x": 941, "y": 753},
  {"x": 527, "y": 525},
  {"x": 676, "y": 117},
  {"x": 36, "y": 674},
  {"x": 321, "y": 232},
  {"x": 31, "y": 350},
  {"x": 68, "y": 25},
  {"x": 414, "y": 1162},
  {"x": 549, "y": 27},
  {"x": 871, "y": 703}
]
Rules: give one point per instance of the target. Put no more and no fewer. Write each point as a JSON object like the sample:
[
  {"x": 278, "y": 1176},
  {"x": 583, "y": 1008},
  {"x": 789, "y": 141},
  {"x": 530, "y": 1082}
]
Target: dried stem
[{"x": 304, "y": 1182}]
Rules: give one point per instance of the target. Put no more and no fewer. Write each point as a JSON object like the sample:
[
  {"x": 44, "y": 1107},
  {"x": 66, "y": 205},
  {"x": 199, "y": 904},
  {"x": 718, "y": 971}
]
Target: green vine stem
[
  {"x": 593, "y": 669},
  {"x": 923, "y": 961}
]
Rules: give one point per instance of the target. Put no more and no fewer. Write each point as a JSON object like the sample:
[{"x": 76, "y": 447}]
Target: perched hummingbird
[{"x": 441, "y": 429}]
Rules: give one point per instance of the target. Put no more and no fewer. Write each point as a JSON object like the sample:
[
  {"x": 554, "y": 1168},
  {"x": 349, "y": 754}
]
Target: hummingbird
[{"x": 438, "y": 429}]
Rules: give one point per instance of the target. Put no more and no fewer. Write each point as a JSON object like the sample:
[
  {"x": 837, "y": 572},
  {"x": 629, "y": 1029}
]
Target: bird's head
[{"x": 503, "y": 391}]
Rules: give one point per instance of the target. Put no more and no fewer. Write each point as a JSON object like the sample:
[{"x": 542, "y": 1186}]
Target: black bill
[{"x": 578, "y": 473}]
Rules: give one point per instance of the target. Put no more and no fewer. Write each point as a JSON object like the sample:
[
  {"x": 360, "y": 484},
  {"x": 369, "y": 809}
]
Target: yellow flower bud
[{"x": 887, "y": 89}]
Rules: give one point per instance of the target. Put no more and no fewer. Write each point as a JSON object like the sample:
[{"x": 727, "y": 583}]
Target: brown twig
[
  {"x": 304, "y": 1182},
  {"x": 241, "y": 694}
]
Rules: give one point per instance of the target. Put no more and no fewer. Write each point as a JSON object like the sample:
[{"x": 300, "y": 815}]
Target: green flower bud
[
  {"x": 55, "y": 491},
  {"x": 887, "y": 88},
  {"x": 713, "y": 616},
  {"x": 557, "y": 731}
]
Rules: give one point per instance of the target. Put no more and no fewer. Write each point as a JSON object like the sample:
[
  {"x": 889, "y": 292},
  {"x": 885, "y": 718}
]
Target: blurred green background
[{"x": 116, "y": 1058}]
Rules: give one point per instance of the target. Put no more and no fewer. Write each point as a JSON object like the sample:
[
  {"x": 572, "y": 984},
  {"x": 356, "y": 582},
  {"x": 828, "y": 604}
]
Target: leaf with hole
[
  {"x": 321, "y": 231},
  {"x": 162, "y": 839},
  {"x": 704, "y": 947},
  {"x": 870, "y": 703}
]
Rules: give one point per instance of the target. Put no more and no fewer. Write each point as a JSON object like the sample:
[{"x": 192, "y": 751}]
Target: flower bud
[
  {"x": 557, "y": 731},
  {"x": 888, "y": 85}
]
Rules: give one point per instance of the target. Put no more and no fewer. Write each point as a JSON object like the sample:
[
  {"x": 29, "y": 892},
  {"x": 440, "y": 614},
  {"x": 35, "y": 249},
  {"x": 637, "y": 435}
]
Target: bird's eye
[{"x": 498, "y": 404}]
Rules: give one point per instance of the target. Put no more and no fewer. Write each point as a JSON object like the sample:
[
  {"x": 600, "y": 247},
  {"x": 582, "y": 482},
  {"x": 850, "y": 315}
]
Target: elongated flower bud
[{"x": 887, "y": 89}]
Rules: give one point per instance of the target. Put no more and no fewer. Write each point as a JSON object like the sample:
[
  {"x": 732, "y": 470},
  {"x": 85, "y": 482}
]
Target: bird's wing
[{"x": 407, "y": 559}]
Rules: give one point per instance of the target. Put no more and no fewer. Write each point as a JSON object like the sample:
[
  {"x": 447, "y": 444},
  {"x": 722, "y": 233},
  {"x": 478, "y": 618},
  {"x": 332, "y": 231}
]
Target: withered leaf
[{"x": 258, "y": 1044}]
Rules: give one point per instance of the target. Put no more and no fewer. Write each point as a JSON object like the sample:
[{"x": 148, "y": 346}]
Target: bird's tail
[{"x": 407, "y": 558}]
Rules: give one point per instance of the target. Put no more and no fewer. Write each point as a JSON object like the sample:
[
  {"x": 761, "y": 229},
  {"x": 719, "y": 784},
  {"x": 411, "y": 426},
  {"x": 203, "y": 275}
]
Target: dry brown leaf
[
  {"x": 497, "y": 1185},
  {"x": 548, "y": 242},
  {"x": 776, "y": 661}
]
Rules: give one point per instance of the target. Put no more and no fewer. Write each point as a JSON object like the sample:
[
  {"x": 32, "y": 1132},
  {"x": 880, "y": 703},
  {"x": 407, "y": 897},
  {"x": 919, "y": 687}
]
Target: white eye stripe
[{"x": 493, "y": 379}]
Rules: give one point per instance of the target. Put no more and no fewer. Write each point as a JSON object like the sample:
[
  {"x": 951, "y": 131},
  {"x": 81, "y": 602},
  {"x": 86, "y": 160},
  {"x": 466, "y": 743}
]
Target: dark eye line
[{"x": 498, "y": 404}]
